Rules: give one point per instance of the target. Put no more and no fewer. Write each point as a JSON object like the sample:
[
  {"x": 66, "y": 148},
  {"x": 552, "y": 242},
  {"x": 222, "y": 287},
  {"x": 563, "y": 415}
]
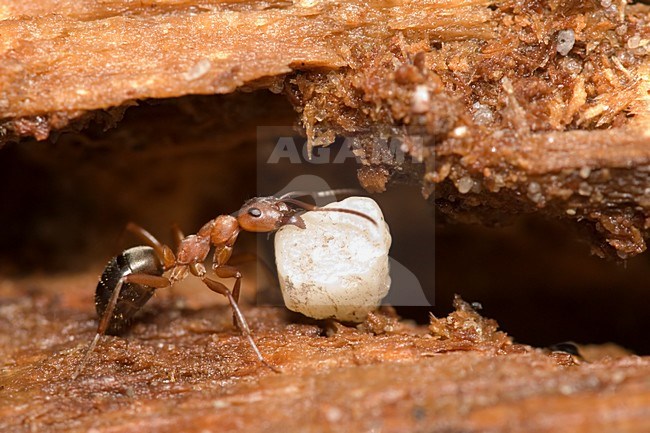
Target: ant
[{"x": 130, "y": 279}]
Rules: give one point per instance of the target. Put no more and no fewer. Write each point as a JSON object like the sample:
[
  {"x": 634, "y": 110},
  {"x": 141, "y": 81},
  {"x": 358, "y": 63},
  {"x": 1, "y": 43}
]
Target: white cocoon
[{"x": 338, "y": 266}]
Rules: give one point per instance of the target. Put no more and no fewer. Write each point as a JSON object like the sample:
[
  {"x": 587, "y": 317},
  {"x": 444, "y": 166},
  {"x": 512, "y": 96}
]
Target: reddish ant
[{"x": 130, "y": 279}]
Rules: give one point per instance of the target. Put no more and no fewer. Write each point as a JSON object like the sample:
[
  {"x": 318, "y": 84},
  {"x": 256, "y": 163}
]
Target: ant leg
[
  {"x": 177, "y": 235},
  {"x": 164, "y": 253},
  {"x": 220, "y": 288},
  {"x": 145, "y": 279},
  {"x": 246, "y": 257},
  {"x": 227, "y": 271},
  {"x": 266, "y": 282},
  {"x": 144, "y": 236}
]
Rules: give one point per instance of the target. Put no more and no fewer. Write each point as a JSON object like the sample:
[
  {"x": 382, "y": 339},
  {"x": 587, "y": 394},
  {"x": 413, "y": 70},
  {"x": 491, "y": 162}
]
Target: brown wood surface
[{"x": 187, "y": 369}]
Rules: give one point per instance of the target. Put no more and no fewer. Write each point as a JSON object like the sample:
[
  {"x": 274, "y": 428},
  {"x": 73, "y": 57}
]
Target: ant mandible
[{"x": 130, "y": 279}]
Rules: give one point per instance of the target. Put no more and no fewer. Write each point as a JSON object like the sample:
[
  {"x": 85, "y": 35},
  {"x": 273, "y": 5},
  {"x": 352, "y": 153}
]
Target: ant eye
[{"x": 254, "y": 212}]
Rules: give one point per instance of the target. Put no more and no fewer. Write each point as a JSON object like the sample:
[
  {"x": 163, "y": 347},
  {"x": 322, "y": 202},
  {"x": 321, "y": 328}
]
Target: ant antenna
[
  {"x": 320, "y": 194},
  {"x": 311, "y": 207}
]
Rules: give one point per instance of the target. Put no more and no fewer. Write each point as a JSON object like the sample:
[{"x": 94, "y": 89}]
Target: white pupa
[{"x": 337, "y": 267}]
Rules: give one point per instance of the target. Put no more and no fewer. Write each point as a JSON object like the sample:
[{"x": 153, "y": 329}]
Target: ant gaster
[{"x": 130, "y": 279}]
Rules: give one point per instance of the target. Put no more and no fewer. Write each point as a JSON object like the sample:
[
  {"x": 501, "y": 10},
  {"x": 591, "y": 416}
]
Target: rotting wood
[
  {"x": 502, "y": 102},
  {"x": 190, "y": 370}
]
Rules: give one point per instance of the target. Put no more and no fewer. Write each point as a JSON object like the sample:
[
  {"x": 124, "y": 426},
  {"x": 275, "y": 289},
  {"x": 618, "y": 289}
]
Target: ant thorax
[{"x": 193, "y": 249}]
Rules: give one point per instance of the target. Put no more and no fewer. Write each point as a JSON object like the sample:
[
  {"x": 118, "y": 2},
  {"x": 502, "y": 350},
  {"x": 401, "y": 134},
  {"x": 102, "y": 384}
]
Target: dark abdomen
[{"x": 133, "y": 296}]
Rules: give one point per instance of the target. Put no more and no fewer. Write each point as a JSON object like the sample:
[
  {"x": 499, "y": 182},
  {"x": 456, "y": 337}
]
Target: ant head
[{"x": 267, "y": 214}]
